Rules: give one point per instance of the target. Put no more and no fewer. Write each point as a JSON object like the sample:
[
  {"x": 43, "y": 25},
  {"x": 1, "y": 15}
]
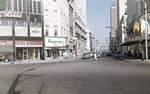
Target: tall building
[
  {"x": 64, "y": 26},
  {"x": 135, "y": 27},
  {"x": 113, "y": 25},
  {"x": 122, "y": 16},
  {"x": 79, "y": 26},
  {"x": 56, "y": 24},
  {"x": 78, "y": 22},
  {"x": 20, "y": 29},
  {"x": 133, "y": 10}
]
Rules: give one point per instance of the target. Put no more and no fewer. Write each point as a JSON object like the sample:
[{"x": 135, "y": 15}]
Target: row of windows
[
  {"x": 55, "y": 32},
  {"x": 19, "y": 23},
  {"x": 21, "y": 6}
]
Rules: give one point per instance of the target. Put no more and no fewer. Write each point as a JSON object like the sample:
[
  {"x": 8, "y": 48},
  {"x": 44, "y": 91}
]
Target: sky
[{"x": 98, "y": 17}]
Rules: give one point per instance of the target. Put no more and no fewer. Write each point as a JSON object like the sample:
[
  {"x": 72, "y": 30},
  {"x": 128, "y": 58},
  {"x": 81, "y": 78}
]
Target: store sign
[
  {"x": 55, "y": 42},
  {"x": 11, "y": 14},
  {"x": 36, "y": 32},
  {"x": 23, "y": 42}
]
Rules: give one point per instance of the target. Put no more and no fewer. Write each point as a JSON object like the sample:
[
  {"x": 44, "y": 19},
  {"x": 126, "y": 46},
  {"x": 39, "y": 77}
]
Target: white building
[
  {"x": 88, "y": 43},
  {"x": 79, "y": 26},
  {"x": 113, "y": 29},
  {"x": 65, "y": 27},
  {"x": 56, "y": 22},
  {"x": 122, "y": 18}
]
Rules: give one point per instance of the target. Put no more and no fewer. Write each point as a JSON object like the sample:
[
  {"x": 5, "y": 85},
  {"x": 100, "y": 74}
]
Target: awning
[{"x": 133, "y": 41}]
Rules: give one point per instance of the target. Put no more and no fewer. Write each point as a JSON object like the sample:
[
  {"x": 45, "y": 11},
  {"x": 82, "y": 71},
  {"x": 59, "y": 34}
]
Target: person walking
[{"x": 95, "y": 56}]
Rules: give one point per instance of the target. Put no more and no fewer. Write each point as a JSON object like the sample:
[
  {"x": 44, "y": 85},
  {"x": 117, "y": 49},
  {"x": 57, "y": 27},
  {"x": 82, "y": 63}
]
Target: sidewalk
[
  {"x": 134, "y": 60},
  {"x": 47, "y": 60}
]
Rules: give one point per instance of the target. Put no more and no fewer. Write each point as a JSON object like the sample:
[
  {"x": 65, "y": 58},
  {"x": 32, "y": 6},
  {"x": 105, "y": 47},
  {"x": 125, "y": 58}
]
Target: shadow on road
[
  {"x": 21, "y": 77},
  {"x": 41, "y": 88},
  {"x": 122, "y": 57}
]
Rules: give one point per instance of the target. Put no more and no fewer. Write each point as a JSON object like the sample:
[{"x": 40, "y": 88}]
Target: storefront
[
  {"x": 55, "y": 47},
  {"x": 28, "y": 53},
  {"x": 28, "y": 50},
  {"x": 25, "y": 50}
]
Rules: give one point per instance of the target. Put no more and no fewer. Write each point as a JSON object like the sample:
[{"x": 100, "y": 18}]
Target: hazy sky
[{"x": 98, "y": 18}]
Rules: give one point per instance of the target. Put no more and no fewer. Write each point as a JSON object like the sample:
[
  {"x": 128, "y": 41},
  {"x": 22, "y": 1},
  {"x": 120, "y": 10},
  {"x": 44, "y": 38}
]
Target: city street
[{"x": 105, "y": 76}]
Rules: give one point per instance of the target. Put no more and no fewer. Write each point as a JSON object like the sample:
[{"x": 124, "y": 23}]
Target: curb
[
  {"x": 40, "y": 61},
  {"x": 137, "y": 61}
]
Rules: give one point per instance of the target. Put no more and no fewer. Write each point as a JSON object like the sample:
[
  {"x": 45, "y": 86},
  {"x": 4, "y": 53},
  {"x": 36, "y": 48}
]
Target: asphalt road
[{"x": 105, "y": 76}]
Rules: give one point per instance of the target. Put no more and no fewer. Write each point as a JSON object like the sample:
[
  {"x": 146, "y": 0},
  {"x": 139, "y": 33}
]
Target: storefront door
[{"x": 25, "y": 54}]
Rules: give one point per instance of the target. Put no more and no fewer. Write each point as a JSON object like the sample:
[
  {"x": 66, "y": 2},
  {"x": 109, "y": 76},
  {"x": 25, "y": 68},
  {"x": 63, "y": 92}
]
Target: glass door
[{"x": 25, "y": 54}]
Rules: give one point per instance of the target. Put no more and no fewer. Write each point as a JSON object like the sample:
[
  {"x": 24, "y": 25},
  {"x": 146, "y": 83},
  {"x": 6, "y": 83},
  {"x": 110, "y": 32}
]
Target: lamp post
[
  {"x": 13, "y": 38},
  {"x": 146, "y": 30},
  {"x": 42, "y": 29},
  {"x": 146, "y": 43}
]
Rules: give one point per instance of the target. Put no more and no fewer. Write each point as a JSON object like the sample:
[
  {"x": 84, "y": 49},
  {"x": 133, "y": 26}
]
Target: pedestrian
[
  {"x": 142, "y": 56},
  {"x": 95, "y": 56}
]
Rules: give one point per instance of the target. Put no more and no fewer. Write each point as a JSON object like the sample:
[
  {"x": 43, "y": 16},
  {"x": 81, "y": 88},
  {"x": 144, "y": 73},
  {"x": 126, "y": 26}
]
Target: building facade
[
  {"x": 135, "y": 41},
  {"x": 64, "y": 27},
  {"x": 56, "y": 27},
  {"x": 121, "y": 31},
  {"x": 20, "y": 29},
  {"x": 92, "y": 43},
  {"x": 78, "y": 26},
  {"x": 113, "y": 25}
]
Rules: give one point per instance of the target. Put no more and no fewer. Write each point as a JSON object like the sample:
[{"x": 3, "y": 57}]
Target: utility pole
[
  {"x": 28, "y": 25},
  {"x": 146, "y": 43},
  {"x": 42, "y": 28},
  {"x": 13, "y": 38}
]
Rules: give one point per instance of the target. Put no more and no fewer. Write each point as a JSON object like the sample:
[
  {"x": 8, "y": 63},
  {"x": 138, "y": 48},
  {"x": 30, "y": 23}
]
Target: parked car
[
  {"x": 98, "y": 55},
  {"x": 86, "y": 56}
]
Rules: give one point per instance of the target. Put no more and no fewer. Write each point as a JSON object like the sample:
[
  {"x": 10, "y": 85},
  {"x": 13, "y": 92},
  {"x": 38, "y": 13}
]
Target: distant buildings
[
  {"x": 113, "y": 28},
  {"x": 91, "y": 42},
  {"x": 130, "y": 35}
]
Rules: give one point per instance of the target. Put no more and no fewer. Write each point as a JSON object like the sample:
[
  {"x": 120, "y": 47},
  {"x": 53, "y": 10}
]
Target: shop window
[
  {"x": 55, "y": 32},
  {"x": 46, "y": 33}
]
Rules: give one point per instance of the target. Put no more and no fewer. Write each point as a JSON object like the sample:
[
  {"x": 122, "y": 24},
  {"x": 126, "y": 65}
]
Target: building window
[
  {"x": 54, "y": 0},
  {"x": 46, "y": 33},
  {"x": 54, "y": 10},
  {"x": 55, "y": 33},
  {"x": 46, "y": 9},
  {"x": 35, "y": 7},
  {"x": 30, "y": 6},
  {"x": 20, "y": 5},
  {"x": 39, "y": 7},
  {"x": 15, "y": 5},
  {"x": 24, "y": 5}
]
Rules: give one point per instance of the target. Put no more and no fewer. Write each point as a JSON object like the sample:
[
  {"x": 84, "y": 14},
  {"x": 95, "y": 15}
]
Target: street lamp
[
  {"x": 146, "y": 46},
  {"x": 146, "y": 30},
  {"x": 42, "y": 30}
]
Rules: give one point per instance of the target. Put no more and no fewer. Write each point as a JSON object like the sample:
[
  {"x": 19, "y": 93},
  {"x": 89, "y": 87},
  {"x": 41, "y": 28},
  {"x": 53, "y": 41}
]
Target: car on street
[{"x": 86, "y": 55}]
